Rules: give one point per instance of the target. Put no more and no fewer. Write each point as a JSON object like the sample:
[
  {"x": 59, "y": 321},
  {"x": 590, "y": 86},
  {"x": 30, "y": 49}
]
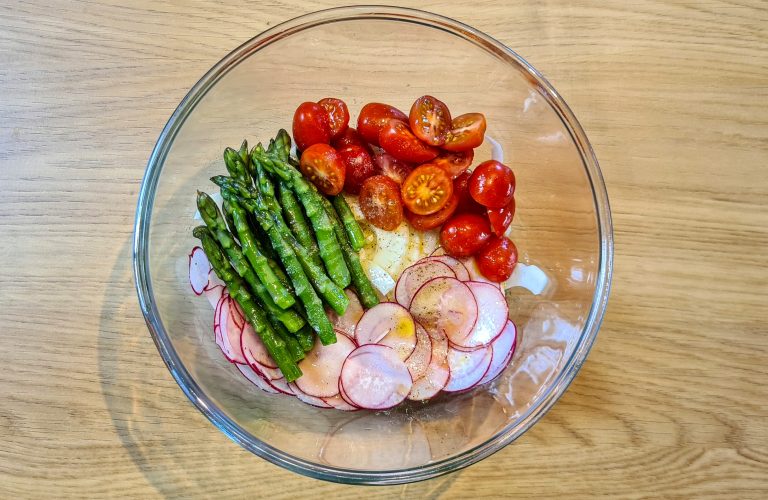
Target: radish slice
[
  {"x": 281, "y": 385},
  {"x": 213, "y": 281},
  {"x": 310, "y": 400},
  {"x": 214, "y": 294},
  {"x": 467, "y": 368},
  {"x": 375, "y": 378},
  {"x": 339, "y": 403},
  {"x": 419, "y": 359},
  {"x": 268, "y": 373},
  {"x": 347, "y": 322},
  {"x": 437, "y": 373},
  {"x": 344, "y": 395},
  {"x": 198, "y": 270},
  {"x": 228, "y": 338},
  {"x": 446, "y": 306},
  {"x": 415, "y": 276},
  {"x": 388, "y": 324},
  {"x": 493, "y": 319},
  {"x": 503, "y": 348},
  {"x": 459, "y": 269},
  {"x": 256, "y": 379},
  {"x": 437, "y": 252},
  {"x": 237, "y": 314},
  {"x": 321, "y": 367},
  {"x": 254, "y": 350}
]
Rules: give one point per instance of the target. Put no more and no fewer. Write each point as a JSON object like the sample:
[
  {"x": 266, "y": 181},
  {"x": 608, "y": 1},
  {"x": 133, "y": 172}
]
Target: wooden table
[{"x": 673, "y": 400}]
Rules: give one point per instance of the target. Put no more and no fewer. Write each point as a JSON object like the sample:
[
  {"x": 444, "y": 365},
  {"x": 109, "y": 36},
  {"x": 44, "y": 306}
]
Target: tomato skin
[
  {"x": 310, "y": 125},
  {"x": 467, "y": 132},
  {"x": 358, "y": 166},
  {"x": 427, "y": 222},
  {"x": 338, "y": 115},
  {"x": 322, "y": 165},
  {"x": 430, "y": 120},
  {"x": 380, "y": 202},
  {"x": 455, "y": 164},
  {"x": 466, "y": 203},
  {"x": 388, "y": 165},
  {"x": 501, "y": 218},
  {"x": 426, "y": 190},
  {"x": 492, "y": 184},
  {"x": 373, "y": 117},
  {"x": 464, "y": 235},
  {"x": 349, "y": 137},
  {"x": 398, "y": 140},
  {"x": 497, "y": 259}
]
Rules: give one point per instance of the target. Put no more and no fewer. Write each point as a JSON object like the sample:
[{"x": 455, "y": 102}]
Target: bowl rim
[{"x": 171, "y": 358}]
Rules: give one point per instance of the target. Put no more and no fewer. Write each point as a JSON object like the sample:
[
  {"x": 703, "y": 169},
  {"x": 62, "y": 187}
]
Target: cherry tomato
[
  {"x": 349, "y": 137},
  {"x": 464, "y": 235},
  {"x": 492, "y": 184},
  {"x": 338, "y": 115},
  {"x": 501, "y": 218},
  {"x": 388, "y": 165},
  {"x": 430, "y": 120},
  {"x": 455, "y": 164},
  {"x": 358, "y": 165},
  {"x": 380, "y": 202},
  {"x": 373, "y": 117},
  {"x": 426, "y": 190},
  {"x": 467, "y": 132},
  {"x": 427, "y": 222},
  {"x": 310, "y": 125},
  {"x": 398, "y": 140},
  {"x": 497, "y": 259},
  {"x": 466, "y": 203},
  {"x": 321, "y": 164}
]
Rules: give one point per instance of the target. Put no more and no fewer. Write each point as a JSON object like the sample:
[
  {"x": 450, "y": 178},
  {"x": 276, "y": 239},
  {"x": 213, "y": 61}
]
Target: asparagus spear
[
  {"x": 306, "y": 338},
  {"x": 294, "y": 216},
  {"x": 314, "y": 307},
  {"x": 235, "y": 166},
  {"x": 276, "y": 347},
  {"x": 330, "y": 250},
  {"x": 291, "y": 341},
  {"x": 354, "y": 233}
]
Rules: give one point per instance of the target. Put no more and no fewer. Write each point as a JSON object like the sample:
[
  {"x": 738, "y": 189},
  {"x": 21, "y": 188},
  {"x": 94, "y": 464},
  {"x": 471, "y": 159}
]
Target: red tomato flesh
[
  {"x": 338, "y": 115},
  {"x": 373, "y": 117},
  {"x": 358, "y": 167},
  {"x": 380, "y": 202},
  {"x": 492, "y": 184},
  {"x": 464, "y": 235},
  {"x": 398, "y": 140},
  {"x": 497, "y": 259},
  {"x": 321, "y": 164},
  {"x": 501, "y": 218},
  {"x": 431, "y": 221},
  {"x": 467, "y": 132},
  {"x": 455, "y": 164},
  {"x": 430, "y": 120},
  {"x": 310, "y": 125}
]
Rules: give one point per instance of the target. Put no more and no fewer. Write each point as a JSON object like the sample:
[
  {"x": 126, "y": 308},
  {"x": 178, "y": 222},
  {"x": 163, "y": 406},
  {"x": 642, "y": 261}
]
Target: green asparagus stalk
[
  {"x": 306, "y": 338},
  {"x": 291, "y": 341},
  {"x": 245, "y": 155},
  {"x": 294, "y": 216},
  {"x": 235, "y": 166},
  {"x": 276, "y": 347},
  {"x": 354, "y": 233}
]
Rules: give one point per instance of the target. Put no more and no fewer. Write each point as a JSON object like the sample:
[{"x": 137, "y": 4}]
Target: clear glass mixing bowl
[{"x": 562, "y": 229}]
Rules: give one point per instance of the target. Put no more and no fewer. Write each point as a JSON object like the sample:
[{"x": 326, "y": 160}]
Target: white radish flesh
[
  {"x": 445, "y": 306},
  {"x": 347, "y": 322},
  {"x": 388, "y": 324},
  {"x": 228, "y": 338},
  {"x": 467, "y": 368},
  {"x": 199, "y": 267},
  {"x": 321, "y": 367},
  {"x": 503, "y": 348},
  {"x": 493, "y": 319},
  {"x": 415, "y": 276},
  {"x": 310, "y": 400},
  {"x": 256, "y": 379},
  {"x": 437, "y": 373},
  {"x": 419, "y": 359},
  {"x": 339, "y": 403},
  {"x": 375, "y": 378},
  {"x": 459, "y": 269},
  {"x": 254, "y": 349}
]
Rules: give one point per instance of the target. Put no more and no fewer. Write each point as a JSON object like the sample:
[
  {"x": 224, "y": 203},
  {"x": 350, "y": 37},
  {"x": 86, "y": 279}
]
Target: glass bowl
[{"x": 562, "y": 230}]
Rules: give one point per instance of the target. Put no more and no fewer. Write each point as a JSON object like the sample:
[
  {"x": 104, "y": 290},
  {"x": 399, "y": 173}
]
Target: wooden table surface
[{"x": 673, "y": 400}]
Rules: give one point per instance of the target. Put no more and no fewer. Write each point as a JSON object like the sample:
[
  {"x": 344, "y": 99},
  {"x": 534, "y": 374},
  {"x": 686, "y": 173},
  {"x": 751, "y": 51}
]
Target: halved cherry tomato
[
  {"x": 501, "y": 218},
  {"x": 466, "y": 203},
  {"x": 467, "y": 132},
  {"x": 398, "y": 140},
  {"x": 492, "y": 184},
  {"x": 497, "y": 259},
  {"x": 430, "y": 120},
  {"x": 358, "y": 165},
  {"x": 338, "y": 115},
  {"x": 349, "y": 137},
  {"x": 427, "y": 222},
  {"x": 426, "y": 190},
  {"x": 310, "y": 125},
  {"x": 464, "y": 235},
  {"x": 321, "y": 164},
  {"x": 380, "y": 202},
  {"x": 388, "y": 165},
  {"x": 455, "y": 164},
  {"x": 373, "y": 117}
]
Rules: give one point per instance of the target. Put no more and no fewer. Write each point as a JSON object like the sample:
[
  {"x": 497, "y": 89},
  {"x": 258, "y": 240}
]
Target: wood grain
[{"x": 673, "y": 401}]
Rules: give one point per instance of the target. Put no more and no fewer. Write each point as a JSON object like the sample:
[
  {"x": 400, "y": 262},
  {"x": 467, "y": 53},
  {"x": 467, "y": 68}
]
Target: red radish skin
[
  {"x": 388, "y": 324},
  {"x": 437, "y": 374},
  {"x": 199, "y": 267},
  {"x": 254, "y": 349},
  {"x": 459, "y": 269},
  {"x": 503, "y": 349},
  {"x": 228, "y": 337},
  {"x": 266, "y": 372},
  {"x": 256, "y": 379},
  {"x": 214, "y": 294},
  {"x": 467, "y": 368},
  {"x": 213, "y": 281},
  {"x": 445, "y": 306},
  {"x": 348, "y": 321},
  {"x": 321, "y": 367},
  {"x": 375, "y": 378},
  {"x": 345, "y": 397},
  {"x": 418, "y": 361},
  {"x": 306, "y": 398},
  {"x": 281, "y": 386},
  {"x": 491, "y": 322},
  {"x": 415, "y": 276},
  {"x": 339, "y": 403}
]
